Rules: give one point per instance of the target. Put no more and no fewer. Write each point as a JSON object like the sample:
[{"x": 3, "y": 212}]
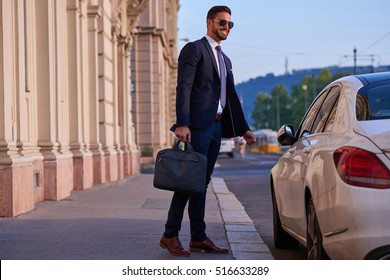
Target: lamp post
[
  {"x": 314, "y": 88},
  {"x": 304, "y": 88},
  {"x": 268, "y": 108},
  {"x": 277, "y": 111}
]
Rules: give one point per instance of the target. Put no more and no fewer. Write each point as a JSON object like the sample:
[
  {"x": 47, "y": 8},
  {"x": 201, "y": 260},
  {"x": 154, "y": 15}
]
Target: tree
[
  {"x": 298, "y": 103},
  {"x": 271, "y": 111},
  {"x": 280, "y": 107},
  {"x": 304, "y": 93},
  {"x": 261, "y": 112}
]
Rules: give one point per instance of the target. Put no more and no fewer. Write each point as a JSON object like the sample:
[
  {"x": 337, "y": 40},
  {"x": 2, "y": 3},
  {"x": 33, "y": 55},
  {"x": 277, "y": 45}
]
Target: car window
[
  {"x": 329, "y": 103},
  {"x": 362, "y": 108},
  {"x": 307, "y": 123},
  {"x": 332, "y": 116},
  {"x": 379, "y": 102}
]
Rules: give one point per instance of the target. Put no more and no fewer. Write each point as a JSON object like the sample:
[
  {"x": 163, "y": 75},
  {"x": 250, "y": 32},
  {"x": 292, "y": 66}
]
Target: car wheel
[
  {"x": 231, "y": 154},
  {"x": 315, "y": 250},
  {"x": 282, "y": 239}
]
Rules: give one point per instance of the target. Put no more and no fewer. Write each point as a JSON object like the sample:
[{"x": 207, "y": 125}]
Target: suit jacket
[{"x": 198, "y": 91}]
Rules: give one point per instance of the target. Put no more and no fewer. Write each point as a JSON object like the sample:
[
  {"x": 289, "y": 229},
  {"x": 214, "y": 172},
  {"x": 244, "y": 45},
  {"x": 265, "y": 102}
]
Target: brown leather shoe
[
  {"x": 207, "y": 246},
  {"x": 174, "y": 246}
]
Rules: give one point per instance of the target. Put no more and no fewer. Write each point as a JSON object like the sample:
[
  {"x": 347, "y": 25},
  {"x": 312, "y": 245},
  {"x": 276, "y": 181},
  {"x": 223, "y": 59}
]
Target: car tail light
[{"x": 361, "y": 168}]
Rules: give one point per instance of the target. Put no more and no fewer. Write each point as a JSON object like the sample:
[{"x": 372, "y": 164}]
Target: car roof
[{"x": 373, "y": 77}]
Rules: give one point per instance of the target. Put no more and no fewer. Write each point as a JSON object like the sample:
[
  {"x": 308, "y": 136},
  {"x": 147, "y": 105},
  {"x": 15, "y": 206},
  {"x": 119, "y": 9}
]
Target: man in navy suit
[{"x": 207, "y": 108}]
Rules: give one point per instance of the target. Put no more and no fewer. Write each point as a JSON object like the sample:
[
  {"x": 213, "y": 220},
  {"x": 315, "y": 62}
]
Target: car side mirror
[{"x": 286, "y": 135}]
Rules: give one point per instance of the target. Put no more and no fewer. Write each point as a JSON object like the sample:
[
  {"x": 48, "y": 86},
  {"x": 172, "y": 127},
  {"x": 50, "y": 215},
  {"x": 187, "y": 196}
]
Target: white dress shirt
[{"x": 214, "y": 44}]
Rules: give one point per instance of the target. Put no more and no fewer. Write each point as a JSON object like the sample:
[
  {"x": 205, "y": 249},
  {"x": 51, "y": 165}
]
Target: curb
[{"x": 245, "y": 242}]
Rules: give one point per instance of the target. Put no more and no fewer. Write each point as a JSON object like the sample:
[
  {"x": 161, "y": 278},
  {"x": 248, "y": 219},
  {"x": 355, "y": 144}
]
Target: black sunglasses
[{"x": 222, "y": 22}]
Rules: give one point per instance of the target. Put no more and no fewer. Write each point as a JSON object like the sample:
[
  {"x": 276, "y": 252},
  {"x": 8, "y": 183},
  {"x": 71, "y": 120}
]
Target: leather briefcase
[{"x": 181, "y": 171}]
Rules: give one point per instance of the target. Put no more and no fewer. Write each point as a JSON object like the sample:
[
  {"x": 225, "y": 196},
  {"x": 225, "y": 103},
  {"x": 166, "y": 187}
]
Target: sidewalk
[{"x": 124, "y": 220}]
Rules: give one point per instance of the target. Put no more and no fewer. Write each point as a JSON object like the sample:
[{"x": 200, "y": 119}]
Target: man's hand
[
  {"x": 249, "y": 137},
  {"x": 183, "y": 133}
]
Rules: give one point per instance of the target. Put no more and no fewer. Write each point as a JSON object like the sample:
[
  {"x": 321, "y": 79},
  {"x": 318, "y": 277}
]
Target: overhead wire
[{"x": 376, "y": 42}]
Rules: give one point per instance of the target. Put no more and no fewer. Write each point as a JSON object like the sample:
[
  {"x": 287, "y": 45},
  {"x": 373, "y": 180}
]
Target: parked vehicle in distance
[
  {"x": 331, "y": 189},
  {"x": 266, "y": 142},
  {"x": 227, "y": 147}
]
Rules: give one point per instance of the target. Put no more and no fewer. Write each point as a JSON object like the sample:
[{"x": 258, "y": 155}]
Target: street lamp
[
  {"x": 268, "y": 108},
  {"x": 314, "y": 88},
  {"x": 304, "y": 88},
  {"x": 277, "y": 111}
]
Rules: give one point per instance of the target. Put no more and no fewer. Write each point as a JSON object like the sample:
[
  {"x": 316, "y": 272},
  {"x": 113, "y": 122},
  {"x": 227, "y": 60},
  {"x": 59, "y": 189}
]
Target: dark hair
[{"x": 218, "y": 9}]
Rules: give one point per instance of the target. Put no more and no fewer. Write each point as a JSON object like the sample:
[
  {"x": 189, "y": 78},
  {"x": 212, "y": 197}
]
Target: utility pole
[
  {"x": 354, "y": 61},
  {"x": 361, "y": 56}
]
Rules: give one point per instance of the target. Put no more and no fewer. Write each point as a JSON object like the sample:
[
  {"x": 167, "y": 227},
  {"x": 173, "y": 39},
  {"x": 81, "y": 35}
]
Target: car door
[
  {"x": 290, "y": 169},
  {"x": 310, "y": 138}
]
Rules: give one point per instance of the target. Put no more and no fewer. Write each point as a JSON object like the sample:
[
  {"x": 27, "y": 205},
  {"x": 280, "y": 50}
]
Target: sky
[{"x": 274, "y": 36}]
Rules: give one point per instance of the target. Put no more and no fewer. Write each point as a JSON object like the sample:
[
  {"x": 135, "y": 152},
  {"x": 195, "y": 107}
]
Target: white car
[
  {"x": 331, "y": 188},
  {"x": 227, "y": 147}
]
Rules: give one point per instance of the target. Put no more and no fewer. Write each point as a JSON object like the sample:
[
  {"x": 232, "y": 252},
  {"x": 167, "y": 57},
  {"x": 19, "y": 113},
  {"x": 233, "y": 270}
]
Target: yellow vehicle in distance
[{"x": 266, "y": 142}]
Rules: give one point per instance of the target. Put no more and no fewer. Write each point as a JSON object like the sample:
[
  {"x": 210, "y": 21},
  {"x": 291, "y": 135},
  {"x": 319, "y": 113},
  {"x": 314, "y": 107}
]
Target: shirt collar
[{"x": 211, "y": 41}]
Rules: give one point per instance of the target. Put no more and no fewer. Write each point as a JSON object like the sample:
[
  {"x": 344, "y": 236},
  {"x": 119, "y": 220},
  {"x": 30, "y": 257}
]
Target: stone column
[
  {"x": 94, "y": 15},
  {"x": 79, "y": 98},
  {"x": 52, "y": 113},
  {"x": 16, "y": 169}
]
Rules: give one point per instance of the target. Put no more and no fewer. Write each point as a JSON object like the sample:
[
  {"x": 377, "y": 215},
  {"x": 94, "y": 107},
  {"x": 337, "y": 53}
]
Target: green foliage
[
  {"x": 261, "y": 112},
  {"x": 271, "y": 110}
]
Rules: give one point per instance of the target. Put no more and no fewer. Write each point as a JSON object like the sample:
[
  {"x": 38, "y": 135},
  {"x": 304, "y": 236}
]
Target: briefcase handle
[{"x": 188, "y": 146}]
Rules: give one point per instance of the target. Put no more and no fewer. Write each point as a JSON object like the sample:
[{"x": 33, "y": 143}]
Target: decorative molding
[
  {"x": 134, "y": 9},
  {"x": 94, "y": 11},
  {"x": 125, "y": 21}
]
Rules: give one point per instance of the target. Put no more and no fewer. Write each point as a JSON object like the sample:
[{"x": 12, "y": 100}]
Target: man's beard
[{"x": 220, "y": 36}]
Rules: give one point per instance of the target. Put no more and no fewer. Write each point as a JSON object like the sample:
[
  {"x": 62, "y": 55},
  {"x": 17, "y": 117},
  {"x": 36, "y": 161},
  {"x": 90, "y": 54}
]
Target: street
[{"x": 248, "y": 179}]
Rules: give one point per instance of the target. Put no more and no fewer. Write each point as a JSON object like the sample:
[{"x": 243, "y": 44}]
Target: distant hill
[{"x": 247, "y": 91}]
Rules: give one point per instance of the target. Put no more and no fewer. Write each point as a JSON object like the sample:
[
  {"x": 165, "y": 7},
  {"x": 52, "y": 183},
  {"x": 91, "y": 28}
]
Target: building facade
[
  {"x": 154, "y": 76},
  {"x": 67, "y": 115}
]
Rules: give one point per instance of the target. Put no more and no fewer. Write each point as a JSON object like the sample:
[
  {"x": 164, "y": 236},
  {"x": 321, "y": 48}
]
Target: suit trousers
[{"x": 207, "y": 142}]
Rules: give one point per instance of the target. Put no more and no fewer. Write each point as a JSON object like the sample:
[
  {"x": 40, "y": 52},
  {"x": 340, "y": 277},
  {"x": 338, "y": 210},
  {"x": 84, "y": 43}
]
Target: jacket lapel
[
  {"x": 211, "y": 53},
  {"x": 229, "y": 76}
]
